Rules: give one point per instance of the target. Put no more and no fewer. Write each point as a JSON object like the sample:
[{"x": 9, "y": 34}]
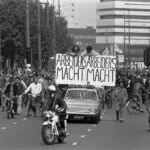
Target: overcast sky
[{"x": 84, "y": 14}]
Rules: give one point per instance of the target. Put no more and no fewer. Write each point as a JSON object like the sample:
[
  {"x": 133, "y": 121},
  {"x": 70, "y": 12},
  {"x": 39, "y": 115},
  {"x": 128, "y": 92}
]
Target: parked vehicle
[{"x": 83, "y": 103}]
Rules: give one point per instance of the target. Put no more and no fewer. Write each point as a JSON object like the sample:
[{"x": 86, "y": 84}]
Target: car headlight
[{"x": 92, "y": 109}]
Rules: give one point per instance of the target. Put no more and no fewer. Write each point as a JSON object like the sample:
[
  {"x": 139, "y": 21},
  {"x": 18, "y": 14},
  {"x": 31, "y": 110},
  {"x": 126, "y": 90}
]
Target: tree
[{"x": 13, "y": 25}]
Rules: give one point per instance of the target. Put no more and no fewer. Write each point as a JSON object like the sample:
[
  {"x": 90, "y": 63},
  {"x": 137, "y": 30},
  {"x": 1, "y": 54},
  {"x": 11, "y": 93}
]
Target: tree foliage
[{"x": 13, "y": 30}]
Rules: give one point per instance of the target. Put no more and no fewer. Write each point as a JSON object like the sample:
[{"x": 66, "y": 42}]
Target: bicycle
[
  {"x": 133, "y": 105},
  {"x": 11, "y": 104}
]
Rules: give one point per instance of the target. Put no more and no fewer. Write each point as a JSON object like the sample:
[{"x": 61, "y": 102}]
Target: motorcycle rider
[{"x": 58, "y": 104}]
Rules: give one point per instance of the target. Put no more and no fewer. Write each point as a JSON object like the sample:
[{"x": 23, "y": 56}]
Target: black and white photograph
[{"x": 74, "y": 74}]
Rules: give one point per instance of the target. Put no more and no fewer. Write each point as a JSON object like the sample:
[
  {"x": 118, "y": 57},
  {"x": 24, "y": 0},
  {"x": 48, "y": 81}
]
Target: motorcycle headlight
[{"x": 48, "y": 114}]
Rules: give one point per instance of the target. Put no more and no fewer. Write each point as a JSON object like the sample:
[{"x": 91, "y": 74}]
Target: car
[{"x": 83, "y": 103}]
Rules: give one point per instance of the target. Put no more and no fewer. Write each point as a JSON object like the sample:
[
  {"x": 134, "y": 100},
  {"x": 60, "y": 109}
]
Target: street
[{"x": 25, "y": 134}]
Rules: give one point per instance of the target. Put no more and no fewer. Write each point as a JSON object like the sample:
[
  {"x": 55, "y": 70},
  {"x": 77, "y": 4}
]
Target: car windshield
[{"x": 81, "y": 94}]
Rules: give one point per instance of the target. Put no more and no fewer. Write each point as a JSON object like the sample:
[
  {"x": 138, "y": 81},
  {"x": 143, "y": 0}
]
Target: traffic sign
[{"x": 121, "y": 58}]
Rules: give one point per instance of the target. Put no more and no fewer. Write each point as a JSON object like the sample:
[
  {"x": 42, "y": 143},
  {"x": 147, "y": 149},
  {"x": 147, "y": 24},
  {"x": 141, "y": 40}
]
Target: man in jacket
[
  {"x": 18, "y": 91},
  {"x": 120, "y": 96}
]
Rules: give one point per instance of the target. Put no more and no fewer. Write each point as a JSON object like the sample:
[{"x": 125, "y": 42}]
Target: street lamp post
[
  {"x": 129, "y": 53},
  {"x": 0, "y": 44},
  {"x": 39, "y": 36},
  {"x": 54, "y": 28},
  {"x": 29, "y": 54}
]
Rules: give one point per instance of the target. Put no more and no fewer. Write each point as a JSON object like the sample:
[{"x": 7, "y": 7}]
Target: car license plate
[{"x": 78, "y": 117}]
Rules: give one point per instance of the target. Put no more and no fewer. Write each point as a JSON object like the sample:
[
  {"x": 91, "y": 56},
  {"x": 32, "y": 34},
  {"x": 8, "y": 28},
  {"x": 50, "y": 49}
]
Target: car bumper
[{"x": 85, "y": 115}]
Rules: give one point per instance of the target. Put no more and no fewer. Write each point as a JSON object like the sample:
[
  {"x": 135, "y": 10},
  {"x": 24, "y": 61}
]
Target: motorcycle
[
  {"x": 51, "y": 128},
  {"x": 11, "y": 104}
]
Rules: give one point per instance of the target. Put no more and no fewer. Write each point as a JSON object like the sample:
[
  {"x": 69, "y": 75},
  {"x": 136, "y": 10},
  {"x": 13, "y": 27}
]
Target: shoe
[
  {"x": 142, "y": 111},
  {"x": 121, "y": 120},
  {"x": 67, "y": 134}
]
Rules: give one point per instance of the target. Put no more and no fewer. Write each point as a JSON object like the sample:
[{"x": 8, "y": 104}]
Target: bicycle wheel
[
  {"x": 148, "y": 105},
  {"x": 132, "y": 107}
]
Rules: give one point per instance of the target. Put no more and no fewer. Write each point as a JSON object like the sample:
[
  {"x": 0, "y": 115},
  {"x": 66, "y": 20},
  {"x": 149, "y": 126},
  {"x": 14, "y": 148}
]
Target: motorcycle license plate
[{"x": 78, "y": 117}]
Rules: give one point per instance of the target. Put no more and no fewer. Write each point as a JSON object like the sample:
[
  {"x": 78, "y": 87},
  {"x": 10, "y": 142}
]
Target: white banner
[{"x": 79, "y": 70}]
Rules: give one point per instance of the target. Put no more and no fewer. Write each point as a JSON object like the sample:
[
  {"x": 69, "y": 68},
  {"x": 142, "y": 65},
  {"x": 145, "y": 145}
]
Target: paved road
[{"x": 25, "y": 134}]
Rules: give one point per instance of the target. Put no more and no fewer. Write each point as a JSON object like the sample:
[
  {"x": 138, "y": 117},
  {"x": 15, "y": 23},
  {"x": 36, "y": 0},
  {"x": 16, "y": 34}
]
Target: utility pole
[
  {"x": 28, "y": 34},
  {"x": 129, "y": 40},
  {"x": 54, "y": 28},
  {"x": 48, "y": 28},
  {"x": 0, "y": 49},
  {"x": 59, "y": 10},
  {"x": 39, "y": 35},
  {"x": 124, "y": 41},
  {"x": 0, "y": 44}
]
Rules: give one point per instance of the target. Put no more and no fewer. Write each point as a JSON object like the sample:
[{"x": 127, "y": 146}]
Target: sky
[{"x": 84, "y": 13}]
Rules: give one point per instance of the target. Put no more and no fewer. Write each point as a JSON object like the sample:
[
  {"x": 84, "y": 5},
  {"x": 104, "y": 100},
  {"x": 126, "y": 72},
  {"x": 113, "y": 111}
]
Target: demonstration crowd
[
  {"x": 15, "y": 83},
  {"x": 129, "y": 83}
]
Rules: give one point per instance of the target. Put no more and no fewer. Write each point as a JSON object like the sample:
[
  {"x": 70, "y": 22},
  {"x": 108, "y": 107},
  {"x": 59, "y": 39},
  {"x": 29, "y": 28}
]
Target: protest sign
[{"x": 79, "y": 70}]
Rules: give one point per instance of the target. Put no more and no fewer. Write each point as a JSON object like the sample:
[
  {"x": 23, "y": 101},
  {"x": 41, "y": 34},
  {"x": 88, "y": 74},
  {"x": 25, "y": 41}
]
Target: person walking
[{"x": 120, "y": 96}]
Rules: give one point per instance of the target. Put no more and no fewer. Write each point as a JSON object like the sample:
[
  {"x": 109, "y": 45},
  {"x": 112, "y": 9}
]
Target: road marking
[
  {"x": 94, "y": 125},
  {"x": 82, "y": 136},
  {"x": 104, "y": 110},
  {"x": 15, "y": 123},
  {"x": 89, "y": 130},
  {"x": 101, "y": 117},
  {"x": 3, "y": 128},
  {"x": 102, "y": 113},
  {"x": 24, "y": 118},
  {"x": 74, "y": 144}
]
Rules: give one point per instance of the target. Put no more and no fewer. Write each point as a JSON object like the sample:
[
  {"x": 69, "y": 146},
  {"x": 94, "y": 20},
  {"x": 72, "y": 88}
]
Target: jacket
[
  {"x": 120, "y": 95},
  {"x": 57, "y": 100},
  {"x": 138, "y": 88}
]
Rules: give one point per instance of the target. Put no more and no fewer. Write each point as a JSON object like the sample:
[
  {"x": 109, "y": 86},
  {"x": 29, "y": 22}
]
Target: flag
[
  {"x": 117, "y": 49},
  {"x": 106, "y": 51}
]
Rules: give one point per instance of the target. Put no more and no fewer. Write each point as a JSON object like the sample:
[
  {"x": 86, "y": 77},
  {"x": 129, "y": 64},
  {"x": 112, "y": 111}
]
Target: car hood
[{"x": 81, "y": 103}]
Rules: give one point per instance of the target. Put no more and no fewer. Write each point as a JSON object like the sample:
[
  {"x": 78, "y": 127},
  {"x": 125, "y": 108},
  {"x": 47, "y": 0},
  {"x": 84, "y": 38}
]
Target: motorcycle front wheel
[{"x": 47, "y": 135}]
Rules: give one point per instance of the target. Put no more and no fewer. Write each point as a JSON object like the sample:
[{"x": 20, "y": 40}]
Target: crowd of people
[{"x": 131, "y": 85}]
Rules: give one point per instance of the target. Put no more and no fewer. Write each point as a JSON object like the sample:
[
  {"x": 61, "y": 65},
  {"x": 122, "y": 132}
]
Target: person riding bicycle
[
  {"x": 138, "y": 88},
  {"x": 35, "y": 88},
  {"x": 9, "y": 92},
  {"x": 58, "y": 104}
]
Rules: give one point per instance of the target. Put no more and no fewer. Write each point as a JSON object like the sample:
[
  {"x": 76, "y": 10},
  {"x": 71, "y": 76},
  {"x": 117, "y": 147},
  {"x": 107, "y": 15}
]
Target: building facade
[
  {"x": 83, "y": 36},
  {"x": 125, "y": 23}
]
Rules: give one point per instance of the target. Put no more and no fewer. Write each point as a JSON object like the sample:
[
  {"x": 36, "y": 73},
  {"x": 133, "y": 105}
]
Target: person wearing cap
[{"x": 35, "y": 88}]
